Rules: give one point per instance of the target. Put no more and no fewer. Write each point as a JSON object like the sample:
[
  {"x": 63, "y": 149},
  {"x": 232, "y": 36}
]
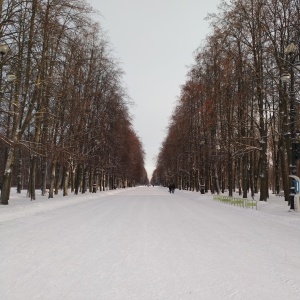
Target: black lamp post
[
  {"x": 293, "y": 65},
  {"x": 3, "y": 50},
  {"x": 9, "y": 76}
]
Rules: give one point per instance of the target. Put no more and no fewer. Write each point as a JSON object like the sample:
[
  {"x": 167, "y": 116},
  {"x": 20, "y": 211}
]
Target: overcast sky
[{"x": 154, "y": 40}]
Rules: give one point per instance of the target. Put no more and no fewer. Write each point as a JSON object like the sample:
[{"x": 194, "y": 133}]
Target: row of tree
[
  {"x": 64, "y": 111},
  {"x": 231, "y": 128}
]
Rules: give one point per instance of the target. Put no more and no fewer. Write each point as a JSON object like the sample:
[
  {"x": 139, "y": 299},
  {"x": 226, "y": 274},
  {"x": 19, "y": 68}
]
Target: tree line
[
  {"x": 64, "y": 110},
  {"x": 231, "y": 127}
]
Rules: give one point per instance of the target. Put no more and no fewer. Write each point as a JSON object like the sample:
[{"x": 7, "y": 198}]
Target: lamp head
[
  {"x": 285, "y": 77},
  {"x": 3, "y": 49},
  {"x": 291, "y": 48}
]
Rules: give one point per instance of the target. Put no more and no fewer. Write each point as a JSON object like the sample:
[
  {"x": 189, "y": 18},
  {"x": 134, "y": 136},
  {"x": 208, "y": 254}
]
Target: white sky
[
  {"x": 144, "y": 244},
  {"x": 154, "y": 41}
]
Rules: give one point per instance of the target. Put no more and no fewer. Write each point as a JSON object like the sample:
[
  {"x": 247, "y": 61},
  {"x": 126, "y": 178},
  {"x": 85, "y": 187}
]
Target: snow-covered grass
[{"x": 144, "y": 243}]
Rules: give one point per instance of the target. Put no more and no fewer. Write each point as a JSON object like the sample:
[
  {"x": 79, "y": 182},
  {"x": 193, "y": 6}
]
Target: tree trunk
[
  {"x": 78, "y": 179},
  {"x": 251, "y": 175},
  {"x": 284, "y": 172},
  {"x": 230, "y": 175},
  {"x": 44, "y": 176},
  {"x": 239, "y": 176},
  {"x": 245, "y": 175},
  {"x": 57, "y": 179},
  {"x": 19, "y": 178},
  {"x": 32, "y": 176},
  {"x": 277, "y": 171},
  {"x": 52, "y": 180},
  {"x": 84, "y": 180},
  {"x": 66, "y": 181},
  {"x": 72, "y": 180},
  {"x": 216, "y": 180},
  {"x": 6, "y": 183},
  {"x": 92, "y": 180},
  {"x": 263, "y": 172}
]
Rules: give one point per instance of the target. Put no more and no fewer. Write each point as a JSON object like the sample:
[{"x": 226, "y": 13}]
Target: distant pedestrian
[{"x": 173, "y": 188}]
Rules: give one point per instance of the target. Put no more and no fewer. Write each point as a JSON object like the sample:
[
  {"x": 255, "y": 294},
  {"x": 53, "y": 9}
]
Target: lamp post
[
  {"x": 292, "y": 52},
  {"x": 3, "y": 50},
  {"x": 9, "y": 76}
]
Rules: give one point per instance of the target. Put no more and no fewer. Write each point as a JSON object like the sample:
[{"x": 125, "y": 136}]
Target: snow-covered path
[{"x": 147, "y": 244}]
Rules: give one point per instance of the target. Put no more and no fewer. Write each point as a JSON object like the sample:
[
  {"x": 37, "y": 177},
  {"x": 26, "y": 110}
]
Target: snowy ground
[{"x": 146, "y": 244}]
